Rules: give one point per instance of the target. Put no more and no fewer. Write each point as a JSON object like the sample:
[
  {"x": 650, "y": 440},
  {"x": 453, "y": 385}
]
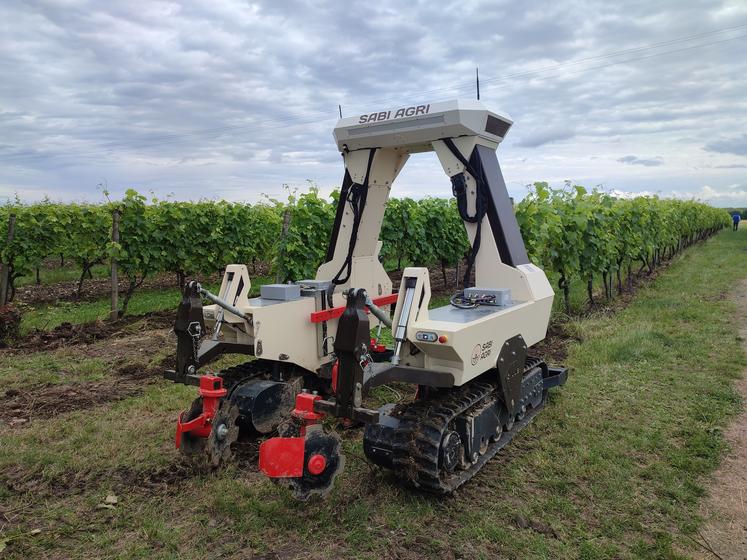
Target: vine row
[{"x": 573, "y": 233}]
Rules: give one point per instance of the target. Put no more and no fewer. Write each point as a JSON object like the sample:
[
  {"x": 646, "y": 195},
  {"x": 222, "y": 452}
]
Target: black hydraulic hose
[
  {"x": 357, "y": 199},
  {"x": 459, "y": 189}
]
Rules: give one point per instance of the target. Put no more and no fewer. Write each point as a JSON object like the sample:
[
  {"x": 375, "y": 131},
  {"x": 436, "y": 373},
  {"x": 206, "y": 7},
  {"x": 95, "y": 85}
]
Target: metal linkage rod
[
  {"x": 222, "y": 303},
  {"x": 378, "y": 312}
]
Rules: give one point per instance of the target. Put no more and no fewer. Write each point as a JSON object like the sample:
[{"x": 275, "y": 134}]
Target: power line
[
  {"x": 548, "y": 69},
  {"x": 637, "y": 49},
  {"x": 319, "y": 117}
]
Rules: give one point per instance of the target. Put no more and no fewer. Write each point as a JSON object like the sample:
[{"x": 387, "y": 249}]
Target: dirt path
[{"x": 725, "y": 510}]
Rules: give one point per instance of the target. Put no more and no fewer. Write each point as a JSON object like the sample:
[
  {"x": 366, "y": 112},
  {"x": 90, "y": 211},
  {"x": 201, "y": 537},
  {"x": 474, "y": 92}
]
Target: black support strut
[
  {"x": 352, "y": 350},
  {"x": 500, "y": 211},
  {"x": 511, "y": 363},
  {"x": 189, "y": 327}
]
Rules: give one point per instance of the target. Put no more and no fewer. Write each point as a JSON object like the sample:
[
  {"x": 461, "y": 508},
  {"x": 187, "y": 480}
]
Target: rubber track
[
  {"x": 248, "y": 370},
  {"x": 417, "y": 440}
]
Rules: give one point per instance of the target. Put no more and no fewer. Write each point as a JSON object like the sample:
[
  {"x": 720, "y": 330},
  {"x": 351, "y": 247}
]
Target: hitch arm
[
  {"x": 189, "y": 327},
  {"x": 352, "y": 348}
]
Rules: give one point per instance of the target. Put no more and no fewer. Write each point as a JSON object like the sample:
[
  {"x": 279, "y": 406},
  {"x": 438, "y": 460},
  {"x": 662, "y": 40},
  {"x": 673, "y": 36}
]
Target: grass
[
  {"x": 50, "y": 367},
  {"x": 613, "y": 468},
  {"x": 49, "y": 316},
  {"x": 67, "y": 273}
]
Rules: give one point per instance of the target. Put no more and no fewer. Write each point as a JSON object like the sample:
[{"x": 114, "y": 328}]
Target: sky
[{"x": 237, "y": 100}]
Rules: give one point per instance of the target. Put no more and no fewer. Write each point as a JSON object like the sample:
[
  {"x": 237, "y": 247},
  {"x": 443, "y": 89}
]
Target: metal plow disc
[
  {"x": 225, "y": 432},
  {"x": 214, "y": 450},
  {"x": 323, "y": 461},
  {"x": 307, "y": 465},
  {"x": 192, "y": 446}
]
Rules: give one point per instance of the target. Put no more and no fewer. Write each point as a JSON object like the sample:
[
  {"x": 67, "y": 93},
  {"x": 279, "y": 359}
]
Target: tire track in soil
[
  {"x": 163, "y": 480},
  {"x": 33, "y": 490},
  {"x": 724, "y": 534},
  {"x": 50, "y": 400}
]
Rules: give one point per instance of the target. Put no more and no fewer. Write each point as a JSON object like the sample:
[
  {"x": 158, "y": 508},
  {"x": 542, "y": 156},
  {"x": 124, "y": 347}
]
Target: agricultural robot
[{"x": 314, "y": 357}]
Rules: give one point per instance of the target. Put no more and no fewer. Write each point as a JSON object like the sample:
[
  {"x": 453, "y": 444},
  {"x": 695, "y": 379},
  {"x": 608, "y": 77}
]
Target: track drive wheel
[
  {"x": 509, "y": 425},
  {"x": 521, "y": 414},
  {"x": 451, "y": 453},
  {"x": 498, "y": 433}
]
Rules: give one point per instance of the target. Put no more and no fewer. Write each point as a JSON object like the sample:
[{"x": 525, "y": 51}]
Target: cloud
[
  {"x": 232, "y": 99},
  {"x": 634, "y": 160},
  {"x": 734, "y": 195},
  {"x": 733, "y": 145},
  {"x": 545, "y": 136},
  {"x": 617, "y": 193},
  {"x": 727, "y": 166}
]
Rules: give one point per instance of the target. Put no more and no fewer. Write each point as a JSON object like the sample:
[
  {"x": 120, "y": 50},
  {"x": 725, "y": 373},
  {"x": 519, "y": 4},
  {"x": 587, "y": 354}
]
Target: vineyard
[
  {"x": 573, "y": 233},
  {"x": 86, "y": 416}
]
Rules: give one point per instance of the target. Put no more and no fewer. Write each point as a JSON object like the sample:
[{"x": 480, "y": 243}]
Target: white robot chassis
[{"x": 477, "y": 383}]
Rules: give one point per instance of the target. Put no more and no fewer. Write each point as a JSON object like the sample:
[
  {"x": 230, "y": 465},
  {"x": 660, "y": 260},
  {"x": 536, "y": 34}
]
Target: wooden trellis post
[
  {"x": 5, "y": 278},
  {"x": 114, "y": 313}
]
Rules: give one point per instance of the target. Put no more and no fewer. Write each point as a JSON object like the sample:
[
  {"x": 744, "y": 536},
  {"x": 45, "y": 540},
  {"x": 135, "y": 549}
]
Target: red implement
[
  {"x": 304, "y": 411},
  {"x": 283, "y": 457},
  {"x": 211, "y": 391}
]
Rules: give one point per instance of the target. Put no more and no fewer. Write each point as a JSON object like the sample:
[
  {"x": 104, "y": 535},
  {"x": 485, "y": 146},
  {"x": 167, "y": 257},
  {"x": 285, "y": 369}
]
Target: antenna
[
  {"x": 339, "y": 108},
  {"x": 477, "y": 79}
]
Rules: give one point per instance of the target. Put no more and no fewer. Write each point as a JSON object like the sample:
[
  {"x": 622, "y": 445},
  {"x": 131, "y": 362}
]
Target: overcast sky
[{"x": 232, "y": 99}]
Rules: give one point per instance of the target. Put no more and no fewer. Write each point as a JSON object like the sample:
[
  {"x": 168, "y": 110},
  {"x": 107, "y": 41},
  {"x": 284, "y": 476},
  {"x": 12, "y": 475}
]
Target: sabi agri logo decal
[
  {"x": 398, "y": 114},
  {"x": 481, "y": 351}
]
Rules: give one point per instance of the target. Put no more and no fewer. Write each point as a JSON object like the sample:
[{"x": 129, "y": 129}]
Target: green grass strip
[{"x": 613, "y": 468}]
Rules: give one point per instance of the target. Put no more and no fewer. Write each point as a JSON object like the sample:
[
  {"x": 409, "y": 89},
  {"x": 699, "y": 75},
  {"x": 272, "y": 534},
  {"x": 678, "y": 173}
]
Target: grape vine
[{"x": 575, "y": 234}]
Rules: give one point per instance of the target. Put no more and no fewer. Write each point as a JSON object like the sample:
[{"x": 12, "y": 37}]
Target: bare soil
[
  {"x": 97, "y": 288},
  {"x": 68, "y": 334},
  {"x": 18, "y": 407},
  {"x": 725, "y": 533},
  {"x": 116, "y": 343},
  {"x": 438, "y": 287},
  {"x": 554, "y": 347},
  {"x": 123, "y": 480}
]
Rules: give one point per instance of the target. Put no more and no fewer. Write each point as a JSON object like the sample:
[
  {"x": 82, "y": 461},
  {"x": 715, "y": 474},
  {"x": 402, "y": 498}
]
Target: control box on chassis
[{"x": 315, "y": 357}]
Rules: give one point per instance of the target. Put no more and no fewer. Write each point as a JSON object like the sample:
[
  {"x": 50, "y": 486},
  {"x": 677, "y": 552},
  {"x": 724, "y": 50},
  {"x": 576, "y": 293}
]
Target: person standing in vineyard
[{"x": 735, "y": 219}]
